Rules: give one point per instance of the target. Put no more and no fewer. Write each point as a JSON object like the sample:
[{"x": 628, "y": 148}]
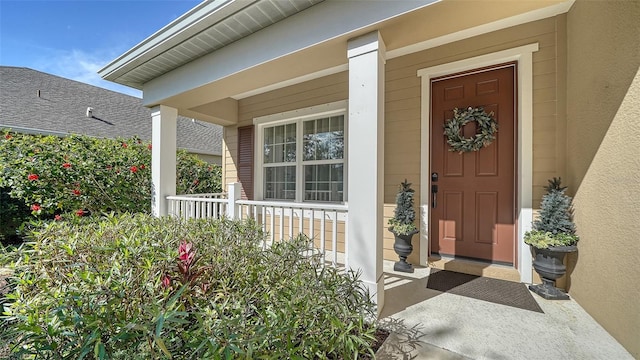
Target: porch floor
[{"x": 428, "y": 324}]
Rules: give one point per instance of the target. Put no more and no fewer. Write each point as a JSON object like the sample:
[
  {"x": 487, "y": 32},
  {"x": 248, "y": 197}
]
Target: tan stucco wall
[{"x": 603, "y": 162}]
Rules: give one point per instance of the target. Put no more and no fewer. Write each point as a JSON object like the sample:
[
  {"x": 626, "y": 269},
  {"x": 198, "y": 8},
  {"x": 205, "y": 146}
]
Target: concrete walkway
[{"x": 428, "y": 324}]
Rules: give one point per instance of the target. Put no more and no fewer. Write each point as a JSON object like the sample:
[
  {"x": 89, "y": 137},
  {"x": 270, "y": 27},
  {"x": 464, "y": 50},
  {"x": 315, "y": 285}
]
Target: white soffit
[{"x": 206, "y": 28}]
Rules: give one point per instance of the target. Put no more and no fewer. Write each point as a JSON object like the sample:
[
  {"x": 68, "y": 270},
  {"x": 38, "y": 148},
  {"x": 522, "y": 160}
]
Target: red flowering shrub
[{"x": 100, "y": 175}]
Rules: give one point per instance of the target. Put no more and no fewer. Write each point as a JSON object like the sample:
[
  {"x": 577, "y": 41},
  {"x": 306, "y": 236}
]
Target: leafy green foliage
[
  {"x": 404, "y": 216},
  {"x": 542, "y": 240},
  {"x": 137, "y": 287},
  {"x": 56, "y": 175},
  {"x": 13, "y": 212},
  {"x": 554, "y": 225}
]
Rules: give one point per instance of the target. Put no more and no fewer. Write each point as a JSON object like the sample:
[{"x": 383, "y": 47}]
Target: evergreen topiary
[
  {"x": 404, "y": 214},
  {"x": 554, "y": 226}
]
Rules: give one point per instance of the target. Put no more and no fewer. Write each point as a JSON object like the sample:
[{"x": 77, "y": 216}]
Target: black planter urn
[
  {"x": 402, "y": 246},
  {"x": 549, "y": 264}
]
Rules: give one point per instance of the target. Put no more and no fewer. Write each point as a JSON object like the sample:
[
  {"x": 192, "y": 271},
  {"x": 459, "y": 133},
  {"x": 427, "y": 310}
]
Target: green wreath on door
[{"x": 485, "y": 134}]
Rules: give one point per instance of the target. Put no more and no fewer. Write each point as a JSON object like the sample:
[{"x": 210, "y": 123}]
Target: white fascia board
[
  {"x": 187, "y": 25},
  {"x": 315, "y": 25}
]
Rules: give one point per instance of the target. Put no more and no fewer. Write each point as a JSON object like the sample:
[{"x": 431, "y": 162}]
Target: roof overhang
[{"x": 310, "y": 41}]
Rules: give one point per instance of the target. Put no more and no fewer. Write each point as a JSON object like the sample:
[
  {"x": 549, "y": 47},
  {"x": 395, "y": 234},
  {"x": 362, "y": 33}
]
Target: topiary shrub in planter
[
  {"x": 552, "y": 237},
  {"x": 137, "y": 287},
  {"x": 402, "y": 226}
]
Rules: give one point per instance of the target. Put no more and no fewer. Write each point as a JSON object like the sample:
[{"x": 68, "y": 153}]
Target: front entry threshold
[{"x": 478, "y": 268}]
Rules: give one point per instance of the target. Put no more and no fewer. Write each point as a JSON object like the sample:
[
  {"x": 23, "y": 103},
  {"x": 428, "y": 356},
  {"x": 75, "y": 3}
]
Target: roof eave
[{"x": 176, "y": 31}]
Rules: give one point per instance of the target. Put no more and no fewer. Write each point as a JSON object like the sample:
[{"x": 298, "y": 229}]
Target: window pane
[
  {"x": 323, "y": 182},
  {"x": 268, "y": 154},
  {"x": 268, "y": 136},
  {"x": 280, "y": 183},
  {"x": 291, "y": 133},
  {"x": 280, "y": 144},
  {"x": 324, "y": 139}
]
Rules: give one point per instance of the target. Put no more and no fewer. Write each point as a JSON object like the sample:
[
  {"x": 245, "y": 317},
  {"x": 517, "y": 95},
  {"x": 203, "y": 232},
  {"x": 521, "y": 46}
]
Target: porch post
[
  {"x": 233, "y": 195},
  {"x": 366, "y": 160},
  {"x": 163, "y": 157}
]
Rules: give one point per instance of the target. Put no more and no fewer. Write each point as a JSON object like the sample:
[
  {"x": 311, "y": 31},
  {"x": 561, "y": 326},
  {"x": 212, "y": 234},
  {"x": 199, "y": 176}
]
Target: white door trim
[{"x": 524, "y": 171}]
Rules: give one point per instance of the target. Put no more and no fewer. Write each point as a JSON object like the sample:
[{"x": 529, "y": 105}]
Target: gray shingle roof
[{"x": 62, "y": 104}]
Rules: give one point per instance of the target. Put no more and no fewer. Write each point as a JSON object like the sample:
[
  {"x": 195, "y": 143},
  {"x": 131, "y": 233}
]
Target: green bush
[
  {"x": 57, "y": 175},
  {"x": 13, "y": 212},
  {"x": 137, "y": 287}
]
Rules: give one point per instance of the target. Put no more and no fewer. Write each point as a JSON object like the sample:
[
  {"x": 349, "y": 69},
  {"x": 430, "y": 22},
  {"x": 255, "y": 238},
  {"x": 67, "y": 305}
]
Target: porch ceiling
[{"x": 225, "y": 50}]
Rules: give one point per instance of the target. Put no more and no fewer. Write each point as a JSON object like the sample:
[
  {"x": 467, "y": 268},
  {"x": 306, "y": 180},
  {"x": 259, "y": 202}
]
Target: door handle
[{"x": 434, "y": 196}]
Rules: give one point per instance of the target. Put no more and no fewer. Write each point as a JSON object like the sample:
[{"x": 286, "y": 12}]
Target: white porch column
[
  {"x": 163, "y": 157},
  {"x": 366, "y": 160}
]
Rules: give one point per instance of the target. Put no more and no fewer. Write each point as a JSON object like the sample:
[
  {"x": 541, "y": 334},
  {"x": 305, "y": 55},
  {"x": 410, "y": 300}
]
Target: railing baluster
[
  {"x": 301, "y": 222},
  {"x": 323, "y": 245},
  {"x": 334, "y": 238},
  {"x": 263, "y": 222},
  {"x": 291, "y": 224},
  {"x": 312, "y": 221},
  {"x": 273, "y": 225},
  {"x": 346, "y": 232}
]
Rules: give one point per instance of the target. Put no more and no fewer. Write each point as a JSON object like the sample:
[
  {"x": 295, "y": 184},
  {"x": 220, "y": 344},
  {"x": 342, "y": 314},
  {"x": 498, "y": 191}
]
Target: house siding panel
[{"x": 402, "y": 107}]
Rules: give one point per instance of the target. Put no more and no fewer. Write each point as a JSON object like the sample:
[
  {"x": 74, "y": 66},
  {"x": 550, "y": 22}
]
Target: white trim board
[{"x": 523, "y": 55}]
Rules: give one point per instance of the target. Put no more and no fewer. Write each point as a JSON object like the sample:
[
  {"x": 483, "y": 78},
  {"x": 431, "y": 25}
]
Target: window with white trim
[{"x": 303, "y": 159}]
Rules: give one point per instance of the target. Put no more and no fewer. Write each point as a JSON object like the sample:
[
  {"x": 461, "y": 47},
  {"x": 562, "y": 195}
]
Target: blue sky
[{"x": 74, "y": 39}]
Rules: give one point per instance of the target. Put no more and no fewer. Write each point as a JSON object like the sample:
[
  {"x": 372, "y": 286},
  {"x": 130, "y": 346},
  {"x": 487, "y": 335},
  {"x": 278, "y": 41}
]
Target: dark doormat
[{"x": 482, "y": 288}]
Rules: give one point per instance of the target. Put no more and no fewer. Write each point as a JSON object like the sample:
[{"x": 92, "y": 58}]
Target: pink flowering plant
[{"x": 79, "y": 175}]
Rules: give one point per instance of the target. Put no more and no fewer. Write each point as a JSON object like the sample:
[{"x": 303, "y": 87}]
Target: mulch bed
[{"x": 381, "y": 335}]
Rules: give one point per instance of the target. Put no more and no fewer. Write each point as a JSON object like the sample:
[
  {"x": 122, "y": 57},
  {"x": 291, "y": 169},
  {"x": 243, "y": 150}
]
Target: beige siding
[{"x": 402, "y": 107}]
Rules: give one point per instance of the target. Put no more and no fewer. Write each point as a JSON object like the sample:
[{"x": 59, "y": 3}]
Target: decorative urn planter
[
  {"x": 402, "y": 226},
  {"x": 552, "y": 236},
  {"x": 403, "y": 247},
  {"x": 549, "y": 264}
]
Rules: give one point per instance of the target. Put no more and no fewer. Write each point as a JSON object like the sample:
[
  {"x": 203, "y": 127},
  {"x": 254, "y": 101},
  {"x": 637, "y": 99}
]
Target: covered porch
[{"x": 296, "y": 68}]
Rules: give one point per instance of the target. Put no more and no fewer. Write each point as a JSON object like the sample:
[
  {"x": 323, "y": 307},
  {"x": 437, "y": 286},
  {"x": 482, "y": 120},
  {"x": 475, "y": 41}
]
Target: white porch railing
[
  {"x": 324, "y": 224},
  {"x": 197, "y": 206}
]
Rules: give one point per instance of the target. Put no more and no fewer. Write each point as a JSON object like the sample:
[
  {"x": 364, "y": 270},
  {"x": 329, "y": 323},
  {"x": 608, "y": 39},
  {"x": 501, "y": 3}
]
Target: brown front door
[{"x": 474, "y": 210}]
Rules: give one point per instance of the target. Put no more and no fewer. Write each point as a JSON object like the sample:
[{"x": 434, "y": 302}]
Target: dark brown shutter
[{"x": 245, "y": 160}]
